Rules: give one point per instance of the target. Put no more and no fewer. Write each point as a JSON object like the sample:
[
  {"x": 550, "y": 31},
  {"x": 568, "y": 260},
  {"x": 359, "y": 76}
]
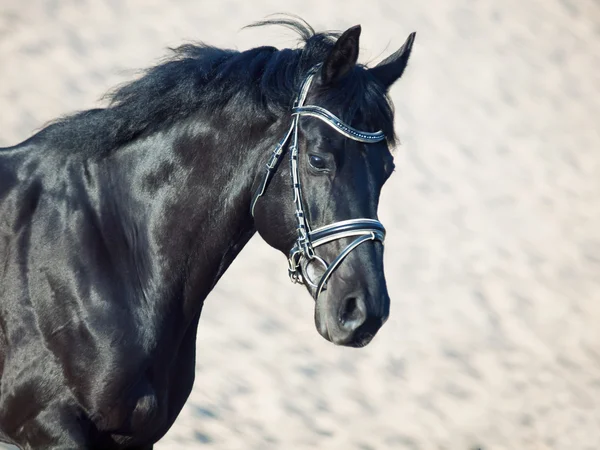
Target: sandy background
[{"x": 493, "y": 217}]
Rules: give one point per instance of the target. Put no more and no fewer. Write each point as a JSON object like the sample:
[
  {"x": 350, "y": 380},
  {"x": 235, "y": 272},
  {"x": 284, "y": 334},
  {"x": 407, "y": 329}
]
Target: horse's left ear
[
  {"x": 342, "y": 57},
  {"x": 392, "y": 67}
]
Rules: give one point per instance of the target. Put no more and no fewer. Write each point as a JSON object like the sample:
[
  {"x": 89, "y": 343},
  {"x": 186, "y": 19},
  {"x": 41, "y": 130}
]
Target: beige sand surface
[{"x": 493, "y": 216}]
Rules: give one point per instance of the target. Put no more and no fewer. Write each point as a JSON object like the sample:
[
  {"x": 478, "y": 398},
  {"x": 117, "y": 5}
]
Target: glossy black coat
[{"x": 116, "y": 223}]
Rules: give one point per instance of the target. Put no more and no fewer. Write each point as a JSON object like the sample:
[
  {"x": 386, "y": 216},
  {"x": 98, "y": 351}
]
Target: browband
[{"x": 337, "y": 124}]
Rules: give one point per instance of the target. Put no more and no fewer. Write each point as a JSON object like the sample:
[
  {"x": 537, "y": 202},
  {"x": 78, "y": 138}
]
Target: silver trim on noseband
[{"x": 307, "y": 240}]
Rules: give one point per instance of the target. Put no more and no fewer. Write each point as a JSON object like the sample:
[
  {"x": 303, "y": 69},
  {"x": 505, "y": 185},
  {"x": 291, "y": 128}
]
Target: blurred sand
[{"x": 493, "y": 217}]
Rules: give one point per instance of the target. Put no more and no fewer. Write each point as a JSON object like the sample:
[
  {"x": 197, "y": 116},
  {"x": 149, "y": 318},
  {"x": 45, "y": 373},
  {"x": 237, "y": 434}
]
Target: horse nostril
[{"x": 353, "y": 313}]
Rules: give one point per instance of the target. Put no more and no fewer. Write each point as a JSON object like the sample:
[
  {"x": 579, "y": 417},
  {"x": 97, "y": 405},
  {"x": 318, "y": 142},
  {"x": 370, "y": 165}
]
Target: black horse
[{"x": 116, "y": 223}]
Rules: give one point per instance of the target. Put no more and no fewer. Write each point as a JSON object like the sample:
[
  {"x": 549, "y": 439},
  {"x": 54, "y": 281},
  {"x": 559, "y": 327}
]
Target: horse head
[{"x": 322, "y": 211}]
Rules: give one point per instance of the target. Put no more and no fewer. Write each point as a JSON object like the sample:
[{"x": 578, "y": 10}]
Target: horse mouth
[
  {"x": 361, "y": 341},
  {"x": 355, "y": 341}
]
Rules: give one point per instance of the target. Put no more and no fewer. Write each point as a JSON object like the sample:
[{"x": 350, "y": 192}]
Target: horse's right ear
[{"x": 392, "y": 67}]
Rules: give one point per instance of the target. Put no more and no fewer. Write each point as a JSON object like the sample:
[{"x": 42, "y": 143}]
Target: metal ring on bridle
[
  {"x": 307, "y": 277},
  {"x": 363, "y": 229}
]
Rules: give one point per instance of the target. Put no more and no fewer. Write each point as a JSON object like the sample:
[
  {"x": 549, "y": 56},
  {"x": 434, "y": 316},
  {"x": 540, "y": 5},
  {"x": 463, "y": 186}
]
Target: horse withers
[{"x": 116, "y": 223}]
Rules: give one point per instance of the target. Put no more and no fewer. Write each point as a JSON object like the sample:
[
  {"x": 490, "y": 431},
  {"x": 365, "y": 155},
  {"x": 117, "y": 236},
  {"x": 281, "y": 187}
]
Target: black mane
[{"x": 199, "y": 76}]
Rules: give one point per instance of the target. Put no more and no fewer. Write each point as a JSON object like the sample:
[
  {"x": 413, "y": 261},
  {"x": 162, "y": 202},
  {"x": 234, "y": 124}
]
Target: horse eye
[{"x": 317, "y": 162}]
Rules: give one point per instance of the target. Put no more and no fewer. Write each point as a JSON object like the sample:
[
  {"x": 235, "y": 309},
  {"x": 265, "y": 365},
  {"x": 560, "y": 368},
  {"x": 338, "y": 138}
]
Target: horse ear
[
  {"x": 342, "y": 57},
  {"x": 392, "y": 67}
]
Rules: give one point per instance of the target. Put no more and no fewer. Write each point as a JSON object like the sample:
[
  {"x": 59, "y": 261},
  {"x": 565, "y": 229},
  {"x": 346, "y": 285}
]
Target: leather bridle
[{"x": 304, "y": 249}]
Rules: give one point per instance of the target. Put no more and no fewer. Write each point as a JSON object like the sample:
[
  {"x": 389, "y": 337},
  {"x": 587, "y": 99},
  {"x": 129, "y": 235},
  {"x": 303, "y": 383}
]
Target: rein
[{"x": 304, "y": 248}]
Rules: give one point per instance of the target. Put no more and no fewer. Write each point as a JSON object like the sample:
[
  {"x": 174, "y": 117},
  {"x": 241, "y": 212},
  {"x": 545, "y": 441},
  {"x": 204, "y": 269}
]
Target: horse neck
[{"x": 187, "y": 201}]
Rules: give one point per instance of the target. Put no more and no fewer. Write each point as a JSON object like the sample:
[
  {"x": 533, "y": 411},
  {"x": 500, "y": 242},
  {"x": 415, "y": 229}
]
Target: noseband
[{"x": 304, "y": 249}]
